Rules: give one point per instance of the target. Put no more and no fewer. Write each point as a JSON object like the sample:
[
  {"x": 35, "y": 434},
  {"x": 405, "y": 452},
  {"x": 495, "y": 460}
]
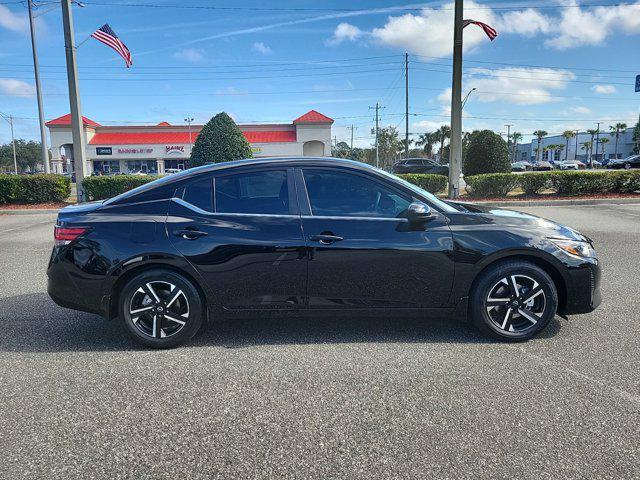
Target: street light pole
[
  {"x": 466, "y": 97},
  {"x": 9, "y": 119},
  {"x": 77, "y": 128},
  {"x": 189, "y": 120},
  {"x": 455, "y": 160},
  {"x": 575, "y": 157},
  {"x": 36, "y": 71}
]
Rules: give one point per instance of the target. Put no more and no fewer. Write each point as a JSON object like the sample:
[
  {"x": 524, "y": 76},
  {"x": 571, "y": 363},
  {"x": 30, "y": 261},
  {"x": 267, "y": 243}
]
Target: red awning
[{"x": 168, "y": 138}]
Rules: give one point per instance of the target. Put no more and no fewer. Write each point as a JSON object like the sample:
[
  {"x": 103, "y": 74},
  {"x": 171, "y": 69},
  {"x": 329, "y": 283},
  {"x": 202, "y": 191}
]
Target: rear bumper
[{"x": 583, "y": 295}]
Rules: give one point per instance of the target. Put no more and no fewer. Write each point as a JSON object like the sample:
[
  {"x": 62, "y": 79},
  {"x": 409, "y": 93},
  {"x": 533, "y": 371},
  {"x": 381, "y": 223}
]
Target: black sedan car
[
  {"x": 630, "y": 162},
  {"x": 420, "y": 165},
  {"x": 307, "y": 237}
]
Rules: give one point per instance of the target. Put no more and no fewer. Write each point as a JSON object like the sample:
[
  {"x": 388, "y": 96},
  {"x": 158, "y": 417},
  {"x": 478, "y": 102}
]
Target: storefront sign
[
  {"x": 135, "y": 150},
  {"x": 177, "y": 149},
  {"x": 103, "y": 151}
]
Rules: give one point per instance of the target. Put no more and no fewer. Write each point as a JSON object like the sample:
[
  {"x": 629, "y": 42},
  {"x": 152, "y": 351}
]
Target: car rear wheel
[
  {"x": 161, "y": 308},
  {"x": 513, "y": 300}
]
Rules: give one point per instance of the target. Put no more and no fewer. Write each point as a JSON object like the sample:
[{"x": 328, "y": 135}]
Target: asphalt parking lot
[{"x": 326, "y": 398}]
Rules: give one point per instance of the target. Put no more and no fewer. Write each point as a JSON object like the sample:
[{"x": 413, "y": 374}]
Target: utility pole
[
  {"x": 455, "y": 151},
  {"x": 36, "y": 71},
  {"x": 9, "y": 119},
  {"x": 509, "y": 137},
  {"x": 406, "y": 105},
  {"x": 189, "y": 120},
  {"x": 352, "y": 128},
  {"x": 597, "y": 141},
  {"x": 575, "y": 157},
  {"x": 377, "y": 109},
  {"x": 77, "y": 128}
]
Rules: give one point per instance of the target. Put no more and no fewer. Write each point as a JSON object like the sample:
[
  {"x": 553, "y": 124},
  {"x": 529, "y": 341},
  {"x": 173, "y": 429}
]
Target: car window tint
[
  {"x": 199, "y": 194},
  {"x": 346, "y": 194},
  {"x": 257, "y": 192}
]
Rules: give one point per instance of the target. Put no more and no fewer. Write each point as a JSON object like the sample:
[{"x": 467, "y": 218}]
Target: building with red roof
[{"x": 153, "y": 149}]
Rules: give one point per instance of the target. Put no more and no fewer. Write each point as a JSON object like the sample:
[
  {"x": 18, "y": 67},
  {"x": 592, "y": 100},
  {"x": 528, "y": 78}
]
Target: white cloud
[
  {"x": 193, "y": 55},
  {"x": 262, "y": 48},
  {"x": 430, "y": 32},
  {"x": 517, "y": 85},
  {"x": 604, "y": 89},
  {"x": 344, "y": 31},
  {"x": 16, "y": 88},
  {"x": 13, "y": 22},
  {"x": 445, "y": 96},
  {"x": 582, "y": 110},
  {"x": 527, "y": 22}
]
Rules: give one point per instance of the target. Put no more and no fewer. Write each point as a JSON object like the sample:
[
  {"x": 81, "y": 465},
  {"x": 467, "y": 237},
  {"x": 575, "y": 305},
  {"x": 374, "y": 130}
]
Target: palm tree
[
  {"x": 593, "y": 132},
  {"x": 603, "y": 142},
  {"x": 443, "y": 133},
  {"x": 586, "y": 146},
  {"x": 568, "y": 135},
  {"x": 616, "y": 130},
  {"x": 539, "y": 134},
  {"x": 516, "y": 137},
  {"x": 427, "y": 140}
]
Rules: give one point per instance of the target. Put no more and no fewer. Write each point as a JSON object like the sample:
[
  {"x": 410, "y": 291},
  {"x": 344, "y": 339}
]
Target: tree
[
  {"x": 341, "y": 150},
  {"x": 636, "y": 138},
  {"x": 427, "y": 140},
  {"x": 603, "y": 142},
  {"x": 568, "y": 135},
  {"x": 616, "y": 130},
  {"x": 443, "y": 133},
  {"x": 586, "y": 146},
  {"x": 516, "y": 137},
  {"x": 28, "y": 155},
  {"x": 487, "y": 153},
  {"x": 389, "y": 145},
  {"x": 220, "y": 140},
  {"x": 539, "y": 134},
  {"x": 592, "y": 132}
]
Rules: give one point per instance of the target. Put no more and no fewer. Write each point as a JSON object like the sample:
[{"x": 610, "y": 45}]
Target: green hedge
[
  {"x": 103, "y": 187},
  {"x": 40, "y": 188},
  {"x": 491, "y": 184},
  {"x": 565, "y": 183},
  {"x": 429, "y": 182}
]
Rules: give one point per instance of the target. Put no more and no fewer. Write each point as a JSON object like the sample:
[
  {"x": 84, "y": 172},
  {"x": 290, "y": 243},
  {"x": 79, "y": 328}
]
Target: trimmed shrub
[
  {"x": 532, "y": 183},
  {"x": 429, "y": 182},
  {"x": 581, "y": 183},
  {"x": 40, "y": 188},
  {"x": 486, "y": 153},
  {"x": 103, "y": 187},
  {"x": 220, "y": 140},
  {"x": 626, "y": 181},
  {"x": 491, "y": 184}
]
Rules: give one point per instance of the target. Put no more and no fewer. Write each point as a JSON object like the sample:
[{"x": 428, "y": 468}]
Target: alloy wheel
[
  {"x": 516, "y": 303},
  {"x": 159, "y": 309}
]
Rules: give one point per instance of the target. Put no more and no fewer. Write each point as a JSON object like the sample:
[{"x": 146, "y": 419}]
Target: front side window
[
  {"x": 344, "y": 194},
  {"x": 264, "y": 192}
]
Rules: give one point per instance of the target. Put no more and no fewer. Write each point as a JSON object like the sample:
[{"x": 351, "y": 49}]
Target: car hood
[{"x": 512, "y": 218}]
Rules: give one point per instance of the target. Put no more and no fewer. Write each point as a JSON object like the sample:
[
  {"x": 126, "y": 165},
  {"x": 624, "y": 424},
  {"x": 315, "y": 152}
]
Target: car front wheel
[
  {"x": 161, "y": 308},
  {"x": 513, "y": 300}
]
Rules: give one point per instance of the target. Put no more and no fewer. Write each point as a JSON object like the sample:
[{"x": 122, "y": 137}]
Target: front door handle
[
  {"x": 325, "y": 239},
  {"x": 189, "y": 234}
]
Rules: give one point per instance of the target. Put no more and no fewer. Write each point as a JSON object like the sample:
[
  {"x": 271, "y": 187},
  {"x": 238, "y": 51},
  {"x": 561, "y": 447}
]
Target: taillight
[{"x": 65, "y": 235}]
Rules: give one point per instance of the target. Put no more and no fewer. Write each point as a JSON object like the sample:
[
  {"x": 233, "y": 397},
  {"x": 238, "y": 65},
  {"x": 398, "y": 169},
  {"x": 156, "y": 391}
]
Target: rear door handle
[
  {"x": 325, "y": 239},
  {"x": 189, "y": 234}
]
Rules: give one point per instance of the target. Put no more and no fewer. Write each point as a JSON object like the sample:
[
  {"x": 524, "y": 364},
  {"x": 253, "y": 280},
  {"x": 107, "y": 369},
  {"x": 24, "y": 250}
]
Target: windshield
[{"x": 444, "y": 207}]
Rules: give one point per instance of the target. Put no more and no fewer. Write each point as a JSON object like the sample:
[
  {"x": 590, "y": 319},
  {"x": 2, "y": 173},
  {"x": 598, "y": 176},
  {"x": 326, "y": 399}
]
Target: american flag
[
  {"x": 491, "y": 33},
  {"x": 107, "y": 36}
]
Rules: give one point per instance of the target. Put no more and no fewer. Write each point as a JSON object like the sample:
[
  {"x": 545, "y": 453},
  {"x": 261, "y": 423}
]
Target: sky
[{"x": 555, "y": 65}]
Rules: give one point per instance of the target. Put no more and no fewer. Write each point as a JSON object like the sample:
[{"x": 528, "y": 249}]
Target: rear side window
[
  {"x": 264, "y": 192},
  {"x": 199, "y": 194}
]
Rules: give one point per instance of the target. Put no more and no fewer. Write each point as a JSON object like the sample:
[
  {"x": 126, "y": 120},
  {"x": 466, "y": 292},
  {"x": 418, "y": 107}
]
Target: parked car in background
[
  {"x": 542, "y": 166},
  {"x": 520, "y": 166},
  {"x": 571, "y": 165},
  {"x": 312, "y": 236},
  {"x": 171, "y": 171},
  {"x": 420, "y": 165},
  {"x": 630, "y": 162}
]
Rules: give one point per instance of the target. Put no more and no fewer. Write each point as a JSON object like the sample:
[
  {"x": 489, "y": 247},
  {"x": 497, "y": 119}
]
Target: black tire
[
  {"x": 627, "y": 166},
  {"x": 496, "y": 310},
  {"x": 163, "y": 321}
]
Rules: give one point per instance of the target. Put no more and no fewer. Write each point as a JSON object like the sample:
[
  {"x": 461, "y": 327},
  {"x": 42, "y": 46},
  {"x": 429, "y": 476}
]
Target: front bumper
[{"x": 583, "y": 289}]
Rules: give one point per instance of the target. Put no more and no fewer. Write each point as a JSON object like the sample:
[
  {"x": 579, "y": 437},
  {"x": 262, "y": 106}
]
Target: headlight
[{"x": 574, "y": 247}]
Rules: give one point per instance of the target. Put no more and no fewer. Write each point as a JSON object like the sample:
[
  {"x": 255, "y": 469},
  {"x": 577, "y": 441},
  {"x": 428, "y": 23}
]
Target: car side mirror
[{"x": 419, "y": 212}]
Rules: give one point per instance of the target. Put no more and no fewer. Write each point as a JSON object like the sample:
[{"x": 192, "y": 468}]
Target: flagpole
[
  {"x": 77, "y": 130},
  {"x": 455, "y": 150}
]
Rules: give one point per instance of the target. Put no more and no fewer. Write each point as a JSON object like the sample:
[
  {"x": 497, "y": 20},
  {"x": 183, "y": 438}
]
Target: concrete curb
[
  {"x": 560, "y": 203},
  {"x": 29, "y": 211}
]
